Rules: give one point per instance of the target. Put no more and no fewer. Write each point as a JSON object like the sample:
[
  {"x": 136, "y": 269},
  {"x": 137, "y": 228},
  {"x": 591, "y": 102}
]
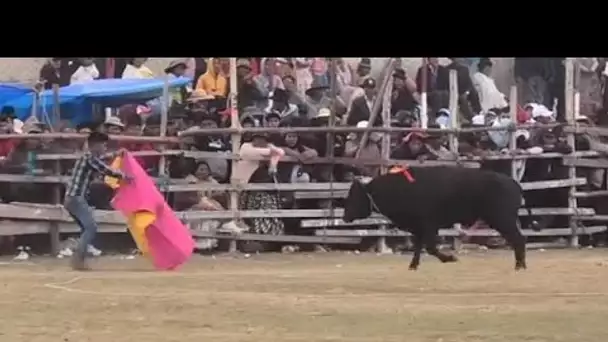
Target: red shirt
[
  {"x": 6, "y": 147},
  {"x": 148, "y": 162}
]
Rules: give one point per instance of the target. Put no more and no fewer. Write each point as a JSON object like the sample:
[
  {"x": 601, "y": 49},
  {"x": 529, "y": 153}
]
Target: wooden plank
[
  {"x": 591, "y": 194},
  {"x": 592, "y": 163},
  {"x": 320, "y": 194},
  {"x": 46, "y": 213},
  {"x": 551, "y": 184},
  {"x": 324, "y": 222},
  {"x": 455, "y": 233},
  {"x": 281, "y": 238},
  {"x": 73, "y": 156}
]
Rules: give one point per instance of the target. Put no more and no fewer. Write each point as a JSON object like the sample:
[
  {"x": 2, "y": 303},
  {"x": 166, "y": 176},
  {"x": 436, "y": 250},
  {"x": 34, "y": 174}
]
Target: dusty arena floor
[{"x": 563, "y": 296}]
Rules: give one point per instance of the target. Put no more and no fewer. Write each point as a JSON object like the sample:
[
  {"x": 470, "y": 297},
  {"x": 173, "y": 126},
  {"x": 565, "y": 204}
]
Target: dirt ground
[{"x": 310, "y": 297}]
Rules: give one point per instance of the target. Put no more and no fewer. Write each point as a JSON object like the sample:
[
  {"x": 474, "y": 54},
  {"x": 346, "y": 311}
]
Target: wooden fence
[{"x": 28, "y": 218}]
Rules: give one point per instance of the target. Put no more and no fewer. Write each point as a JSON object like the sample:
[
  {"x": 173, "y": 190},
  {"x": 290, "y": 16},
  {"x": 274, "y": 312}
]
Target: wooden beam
[
  {"x": 281, "y": 238},
  {"x": 455, "y": 233},
  {"x": 591, "y": 194},
  {"x": 592, "y": 163}
]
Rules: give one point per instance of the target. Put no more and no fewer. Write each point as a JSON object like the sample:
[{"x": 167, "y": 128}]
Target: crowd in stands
[{"x": 295, "y": 92}]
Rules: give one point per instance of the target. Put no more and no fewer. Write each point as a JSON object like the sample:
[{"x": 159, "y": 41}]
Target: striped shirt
[{"x": 86, "y": 168}]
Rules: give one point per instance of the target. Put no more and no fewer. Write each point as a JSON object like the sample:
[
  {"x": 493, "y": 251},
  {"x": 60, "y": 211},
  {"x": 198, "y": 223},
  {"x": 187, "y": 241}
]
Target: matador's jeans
[{"x": 80, "y": 211}]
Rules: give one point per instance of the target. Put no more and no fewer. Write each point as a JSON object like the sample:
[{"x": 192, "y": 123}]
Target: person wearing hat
[
  {"x": 250, "y": 91},
  {"x": 413, "y": 147},
  {"x": 404, "y": 96},
  {"x": 371, "y": 151},
  {"x": 490, "y": 98},
  {"x": 268, "y": 81},
  {"x": 364, "y": 70},
  {"x": 361, "y": 106},
  {"x": 316, "y": 98},
  {"x": 113, "y": 125},
  {"x": 177, "y": 68}
]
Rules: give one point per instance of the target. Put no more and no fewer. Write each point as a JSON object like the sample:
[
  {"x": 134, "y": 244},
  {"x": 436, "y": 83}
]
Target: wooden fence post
[
  {"x": 453, "y": 142},
  {"x": 236, "y": 145},
  {"x": 386, "y": 142},
  {"x": 54, "y": 231},
  {"x": 570, "y": 118}
]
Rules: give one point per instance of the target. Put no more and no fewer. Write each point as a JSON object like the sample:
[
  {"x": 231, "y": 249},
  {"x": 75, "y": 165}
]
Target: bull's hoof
[
  {"x": 520, "y": 266},
  {"x": 413, "y": 267},
  {"x": 449, "y": 258},
  {"x": 536, "y": 226}
]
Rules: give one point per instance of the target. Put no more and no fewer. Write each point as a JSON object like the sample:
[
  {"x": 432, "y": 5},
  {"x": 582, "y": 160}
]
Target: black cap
[
  {"x": 368, "y": 83},
  {"x": 399, "y": 73}
]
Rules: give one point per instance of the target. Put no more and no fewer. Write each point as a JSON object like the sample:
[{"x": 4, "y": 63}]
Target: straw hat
[
  {"x": 114, "y": 121},
  {"x": 200, "y": 95},
  {"x": 174, "y": 64}
]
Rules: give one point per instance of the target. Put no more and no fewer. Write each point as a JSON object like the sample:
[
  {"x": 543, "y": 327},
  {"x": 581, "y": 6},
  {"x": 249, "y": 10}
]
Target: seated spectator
[
  {"x": 218, "y": 167},
  {"x": 7, "y": 116},
  {"x": 436, "y": 145},
  {"x": 113, "y": 125},
  {"x": 177, "y": 68},
  {"x": 213, "y": 82},
  {"x": 293, "y": 97},
  {"x": 290, "y": 172},
  {"x": 443, "y": 118},
  {"x": 404, "y": 96},
  {"x": 280, "y": 104},
  {"x": 316, "y": 99},
  {"x": 362, "y": 106},
  {"x": 369, "y": 152},
  {"x": 86, "y": 72},
  {"x": 413, "y": 147},
  {"x": 490, "y": 98},
  {"x": 250, "y": 91},
  {"x": 136, "y": 68},
  {"x": 268, "y": 80},
  {"x": 251, "y": 169}
]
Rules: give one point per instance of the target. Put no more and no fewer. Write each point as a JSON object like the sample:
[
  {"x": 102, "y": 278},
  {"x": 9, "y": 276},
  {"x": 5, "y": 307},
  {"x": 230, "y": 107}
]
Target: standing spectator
[
  {"x": 292, "y": 90},
  {"x": 316, "y": 99},
  {"x": 213, "y": 82},
  {"x": 404, "y": 96},
  {"x": 303, "y": 75},
  {"x": 251, "y": 170},
  {"x": 136, "y": 68},
  {"x": 280, "y": 104},
  {"x": 364, "y": 70},
  {"x": 269, "y": 81},
  {"x": 530, "y": 75},
  {"x": 51, "y": 73},
  {"x": 589, "y": 85},
  {"x": 344, "y": 74},
  {"x": 490, "y": 98},
  {"x": 86, "y": 72},
  {"x": 468, "y": 97},
  {"x": 433, "y": 68},
  {"x": 361, "y": 107},
  {"x": 250, "y": 91}
]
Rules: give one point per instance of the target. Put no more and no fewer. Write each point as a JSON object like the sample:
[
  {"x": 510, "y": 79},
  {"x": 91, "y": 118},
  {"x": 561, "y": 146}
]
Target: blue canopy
[
  {"x": 76, "y": 100},
  {"x": 12, "y": 91}
]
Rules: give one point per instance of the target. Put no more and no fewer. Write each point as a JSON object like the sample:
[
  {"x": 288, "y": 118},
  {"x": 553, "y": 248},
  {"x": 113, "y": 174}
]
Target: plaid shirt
[{"x": 86, "y": 168}]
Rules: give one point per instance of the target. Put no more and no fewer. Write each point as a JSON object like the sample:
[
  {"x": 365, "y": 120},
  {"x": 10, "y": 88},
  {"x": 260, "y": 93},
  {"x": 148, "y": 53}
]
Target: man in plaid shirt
[{"x": 86, "y": 168}]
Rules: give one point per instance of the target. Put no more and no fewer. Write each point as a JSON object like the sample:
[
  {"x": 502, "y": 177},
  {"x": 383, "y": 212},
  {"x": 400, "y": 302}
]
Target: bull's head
[{"x": 358, "y": 204}]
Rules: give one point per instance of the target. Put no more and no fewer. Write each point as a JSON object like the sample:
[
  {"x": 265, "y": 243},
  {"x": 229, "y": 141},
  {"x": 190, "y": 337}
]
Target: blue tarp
[
  {"x": 12, "y": 91},
  {"x": 77, "y": 100}
]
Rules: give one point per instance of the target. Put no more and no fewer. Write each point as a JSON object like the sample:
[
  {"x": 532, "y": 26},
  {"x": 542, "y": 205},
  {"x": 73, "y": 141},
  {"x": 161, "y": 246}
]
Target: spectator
[
  {"x": 290, "y": 172},
  {"x": 369, "y": 152},
  {"x": 113, "y": 125},
  {"x": 51, "y": 73},
  {"x": 251, "y": 170},
  {"x": 589, "y": 85},
  {"x": 433, "y": 68},
  {"x": 468, "y": 97},
  {"x": 280, "y": 104},
  {"x": 250, "y": 91},
  {"x": 344, "y": 74},
  {"x": 364, "y": 70},
  {"x": 316, "y": 99},
  {"x": 531, "y": 75},
  {"x": 177, "y": 68},
  {"x": 268, "y": 81},
  {"x": 136, "y": 68},
  {"x": 293, "y": 97},
  {"x": 318, "y": 68},
  {"x": 86, "y": 72},
  {"x": 6, "y": 127},
  {"x": 404, "y": 96},
  {"x": 412, "y": 147},
  {"x": 213, "y": 82},
  {"x": 303, "y": 74},
  {"x": 361, "y": 107},
  {"x": 436, "y": 145},
  {"x": 490, "y": 97}
]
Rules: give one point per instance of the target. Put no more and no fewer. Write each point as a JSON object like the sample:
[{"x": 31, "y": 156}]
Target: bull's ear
[{"x": 363, "y": 180}]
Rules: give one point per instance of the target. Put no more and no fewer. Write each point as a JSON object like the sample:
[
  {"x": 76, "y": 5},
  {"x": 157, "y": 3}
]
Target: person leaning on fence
[{"x": 86, "y": 168}]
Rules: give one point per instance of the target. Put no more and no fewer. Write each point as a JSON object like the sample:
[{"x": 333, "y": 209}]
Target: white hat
[
  {"x": 522, "y": 133},
  {"x": 581, "y": 117},
  {"x": 479, "y": 120},
  {"x": 114, "y": 121},
  {"x": 324, "y": 113},
  {"x": 362, "y": 124},
  {"x": 18, "y": 126}
]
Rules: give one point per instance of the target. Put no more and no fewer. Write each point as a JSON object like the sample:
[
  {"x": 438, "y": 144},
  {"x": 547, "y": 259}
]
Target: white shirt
[
  {"x": 134, "y": 72},
  {"x": 85, "y": 74},
  {"x": 489, "y": 95}
]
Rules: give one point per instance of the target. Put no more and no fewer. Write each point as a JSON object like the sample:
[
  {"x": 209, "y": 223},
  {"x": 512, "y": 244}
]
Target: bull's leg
[
  {"x": 509, "y": 230},
  {"x": 430, "y": 241},
  {"x": 418, "y": 243}
]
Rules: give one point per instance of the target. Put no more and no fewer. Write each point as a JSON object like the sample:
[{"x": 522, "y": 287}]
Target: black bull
[{"x": 439, "y": 197}]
